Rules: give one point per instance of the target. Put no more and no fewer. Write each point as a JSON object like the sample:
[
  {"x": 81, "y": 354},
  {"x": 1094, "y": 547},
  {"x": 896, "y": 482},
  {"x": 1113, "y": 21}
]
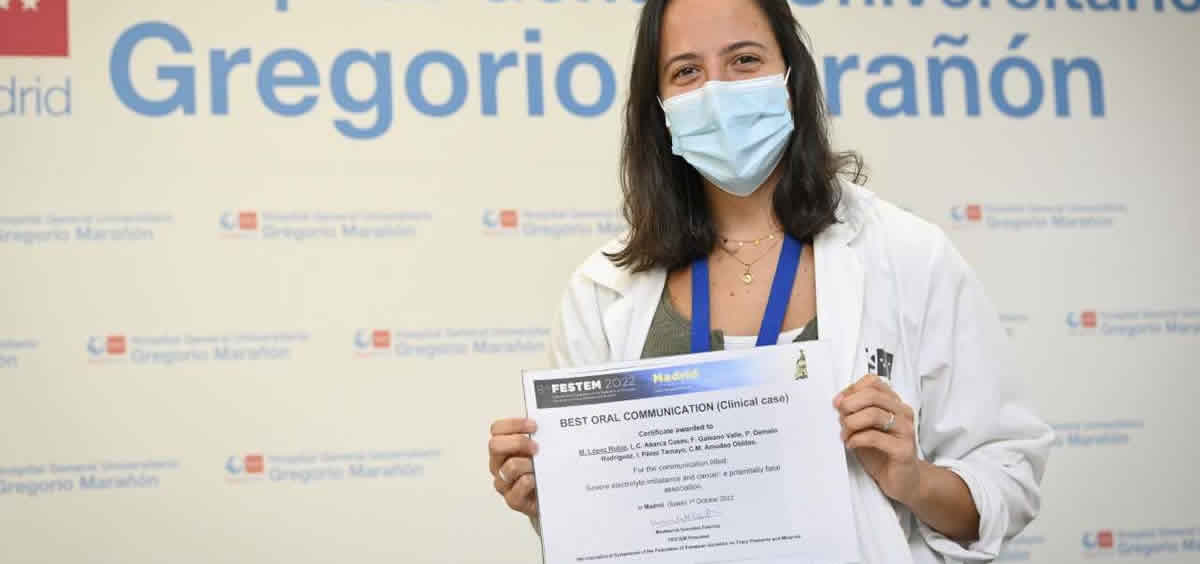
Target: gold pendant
[{"x": 747, "y": 278}]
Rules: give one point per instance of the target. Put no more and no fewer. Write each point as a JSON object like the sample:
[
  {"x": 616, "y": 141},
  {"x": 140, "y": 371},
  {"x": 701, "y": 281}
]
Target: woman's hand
[
  {"x": 879, "y": 427},
  {"x": 510, "y": 454}
]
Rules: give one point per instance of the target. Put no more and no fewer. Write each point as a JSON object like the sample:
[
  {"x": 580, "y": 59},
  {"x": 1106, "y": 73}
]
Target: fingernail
[
  {"x": 534, "y": 450},
  {"x": 531, "y": 426}
]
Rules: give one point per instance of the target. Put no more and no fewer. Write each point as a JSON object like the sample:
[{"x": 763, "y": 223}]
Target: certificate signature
[{"x": 688, "y": 517}]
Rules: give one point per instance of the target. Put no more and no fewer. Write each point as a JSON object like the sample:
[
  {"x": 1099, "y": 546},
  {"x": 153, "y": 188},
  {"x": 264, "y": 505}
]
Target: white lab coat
[{"x": 885, "y": 279}]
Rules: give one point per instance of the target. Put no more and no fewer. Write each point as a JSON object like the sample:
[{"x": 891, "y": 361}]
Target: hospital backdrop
[{"x": 271, "y": 267}]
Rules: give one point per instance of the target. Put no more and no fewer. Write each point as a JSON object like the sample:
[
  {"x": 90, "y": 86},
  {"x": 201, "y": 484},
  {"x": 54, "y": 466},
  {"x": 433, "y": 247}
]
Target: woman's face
[{"x": 705, "y": 40}]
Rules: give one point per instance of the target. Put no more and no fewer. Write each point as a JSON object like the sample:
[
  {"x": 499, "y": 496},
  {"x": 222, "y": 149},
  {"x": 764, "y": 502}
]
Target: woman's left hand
[{"x": 879, "y": 427}]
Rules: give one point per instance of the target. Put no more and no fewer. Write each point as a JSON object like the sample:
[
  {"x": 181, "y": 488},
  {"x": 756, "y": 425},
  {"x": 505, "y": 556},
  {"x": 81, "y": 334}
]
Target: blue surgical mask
[{"x": 733, "y": 133}]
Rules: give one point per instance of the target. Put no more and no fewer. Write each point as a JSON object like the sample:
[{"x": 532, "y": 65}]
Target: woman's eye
[
  {"x": 745, "y": 59},
  {"x": 685, "y": 72}
]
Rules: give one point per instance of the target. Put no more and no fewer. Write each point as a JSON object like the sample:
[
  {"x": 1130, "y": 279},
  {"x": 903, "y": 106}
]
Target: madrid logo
[
  {"x": 500, "y": 220},
  {"x": 244, "y": 468},
  {"x": 34, "y": 28},
  {"x": 366, "y": 339},
  {"x": 1098, "y": 541},
  {"x": 106, "y": 347},
  {"x": 248, "y": 464},
  {"x": 239, "y": 225},
  {"x": 372, "y": 342},
  {"x": 970, "y": 213},
  {"x": 239, "y": 221},
  {"x": 1082, "y": 322}
]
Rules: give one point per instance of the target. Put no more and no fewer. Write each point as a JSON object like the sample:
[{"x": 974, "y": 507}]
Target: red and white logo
[
  {"x": 34, "y": 28},
  {"x": 105, "y": 347},
  {"x": 1098, "y": 542},
  {"x": 115, "y": 344},
  {"x": 235, "y": 222},
  {"x": 1088, "y": 320},
  {"x": 508, "y": 218},
  {"x": 371, "y": 341},
  {"x": 245, "y": 469},
  {"x": 966, "y": 213},
  {"x": 974, "y": 212},
  {"x": 254, "y": 464},
  {"x": 501, "y": 220},
  {"x": 247, "y": 221}
]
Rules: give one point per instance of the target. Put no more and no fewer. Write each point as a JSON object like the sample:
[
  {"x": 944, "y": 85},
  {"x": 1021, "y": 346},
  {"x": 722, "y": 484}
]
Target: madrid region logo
[
  {"x": 1099, "y": 540},
  {"x": 106, "y": 347},
  {"x": 238, "y": 221},
  {"x": 1082, "y": 320},
  {"x": 368, "y": 341},
  {"x": 34, "y": 28},
  {"x": 245, "y": 467},
  {"x": 970, "y": 213},
  {"x": 500, "y": 220},
  {"x": 239, "y": 225}
]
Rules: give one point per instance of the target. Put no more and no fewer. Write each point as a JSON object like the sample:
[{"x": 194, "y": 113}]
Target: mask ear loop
[{"x": 786, "y": 85}]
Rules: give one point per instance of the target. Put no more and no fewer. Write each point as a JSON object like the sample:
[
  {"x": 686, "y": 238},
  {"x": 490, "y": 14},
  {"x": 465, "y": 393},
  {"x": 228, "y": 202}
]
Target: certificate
[{"x": 714, "y": 457}]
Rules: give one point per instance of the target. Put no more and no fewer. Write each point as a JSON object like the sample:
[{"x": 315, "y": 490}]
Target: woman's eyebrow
[
  {"x": 691, "y": 56},
  {"x": 740, "y": 44},
  {"x": 680, "y": 57}
]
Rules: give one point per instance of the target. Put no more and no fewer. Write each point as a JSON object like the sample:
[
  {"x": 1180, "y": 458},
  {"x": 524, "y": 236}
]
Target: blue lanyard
[{"x": 777, "y": 303}]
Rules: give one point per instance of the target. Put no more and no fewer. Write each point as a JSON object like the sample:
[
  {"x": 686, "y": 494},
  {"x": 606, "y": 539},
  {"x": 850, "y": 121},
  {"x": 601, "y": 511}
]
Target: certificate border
[
  {"x": 674, "y": 361},
  {"x": 525, "y": 401}
]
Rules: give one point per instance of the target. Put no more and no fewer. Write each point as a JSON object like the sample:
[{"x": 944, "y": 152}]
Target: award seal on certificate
[{"x": 710, "y": 457}]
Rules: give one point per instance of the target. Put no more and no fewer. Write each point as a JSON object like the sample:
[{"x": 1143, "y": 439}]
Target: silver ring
[
  {"x": 500, "y": 472},
  {"x": 891, "y": 421}
]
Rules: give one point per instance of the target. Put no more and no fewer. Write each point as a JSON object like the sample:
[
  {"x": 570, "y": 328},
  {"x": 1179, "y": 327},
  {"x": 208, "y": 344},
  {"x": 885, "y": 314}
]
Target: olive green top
[{"x": 671, "y": 333}]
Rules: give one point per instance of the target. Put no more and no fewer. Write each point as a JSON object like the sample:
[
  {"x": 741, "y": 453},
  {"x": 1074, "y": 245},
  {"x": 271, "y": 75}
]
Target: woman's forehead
[{"x": 704, "y": 26}]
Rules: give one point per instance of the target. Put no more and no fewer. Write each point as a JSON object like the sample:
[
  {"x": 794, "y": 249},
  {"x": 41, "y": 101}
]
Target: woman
[{"x": 728, "y": 171}]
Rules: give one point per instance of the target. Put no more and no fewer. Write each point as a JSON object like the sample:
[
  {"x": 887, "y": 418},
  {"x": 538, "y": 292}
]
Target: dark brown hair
[{"x": 665, "y": 204}]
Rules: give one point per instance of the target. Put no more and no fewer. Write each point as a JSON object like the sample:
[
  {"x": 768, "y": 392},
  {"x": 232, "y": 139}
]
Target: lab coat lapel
[
  {"x": 841, "y": 286},
  {"x": 840, "y": 282},
  {"x": 626, "y": 319}
]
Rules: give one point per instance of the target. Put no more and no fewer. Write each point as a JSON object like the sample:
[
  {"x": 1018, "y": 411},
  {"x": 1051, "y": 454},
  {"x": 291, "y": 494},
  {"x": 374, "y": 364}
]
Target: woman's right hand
[{"x": 510, "y": 460}]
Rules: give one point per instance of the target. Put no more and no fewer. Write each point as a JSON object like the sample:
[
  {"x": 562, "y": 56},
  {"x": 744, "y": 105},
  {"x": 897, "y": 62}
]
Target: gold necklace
[
  {"x": 747, "y": 277},
  {"x": 725, "y": 241}
]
